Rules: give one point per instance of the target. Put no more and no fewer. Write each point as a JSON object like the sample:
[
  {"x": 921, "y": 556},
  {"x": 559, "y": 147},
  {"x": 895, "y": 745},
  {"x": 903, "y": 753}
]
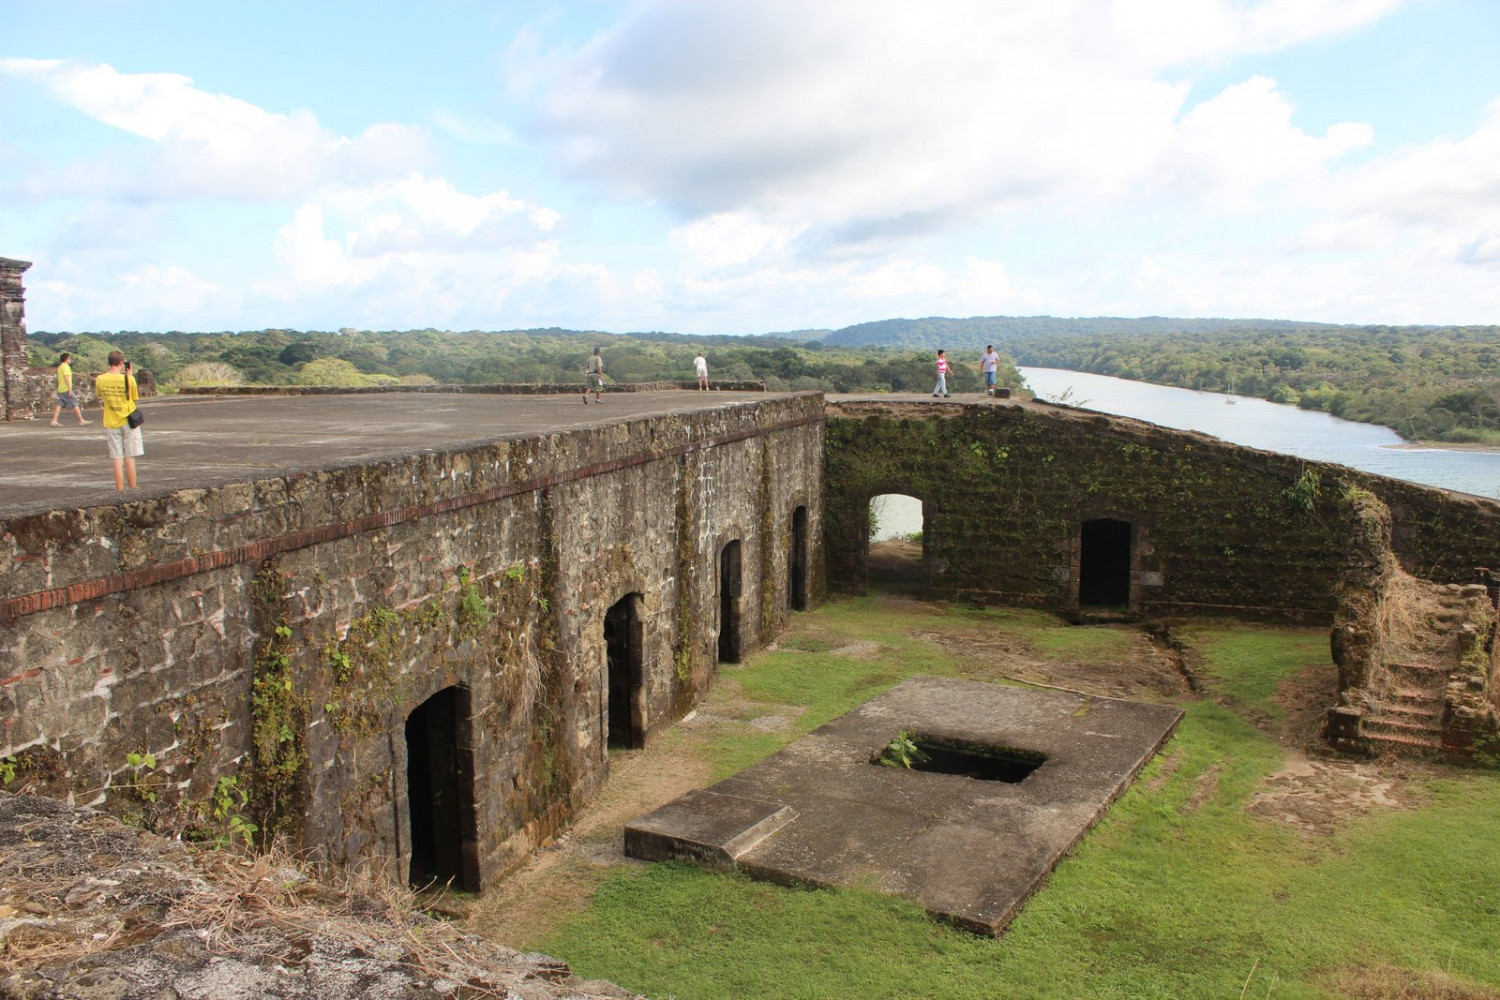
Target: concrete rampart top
[{"x": 208, "y": 441}]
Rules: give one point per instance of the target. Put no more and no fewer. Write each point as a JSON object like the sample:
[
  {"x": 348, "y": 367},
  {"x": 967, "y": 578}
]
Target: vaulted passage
[
  {"x": 440, "y": 792},
  {"x": 898, "y": 540},
  {"x": 623, "y": 641},
  {"x": 797, "y": 561},
  {"x": 730, "y": 585},
  {"x": 1104, "y": 563}
]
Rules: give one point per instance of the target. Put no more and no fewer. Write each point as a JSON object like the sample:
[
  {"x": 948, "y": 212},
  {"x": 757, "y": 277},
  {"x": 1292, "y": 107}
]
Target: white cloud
[
  {"x": 399, "y": 257},
  {"x": 802, "y": 163},
  {"x": 133, "y": 296},
  {"x": 875, "y": 122},
  {"x": 212, "y": 144},
  {"x": 1443, "y": 196},
  {"x": 364, "y": 223},
  {"x": 1243, "y": 139},
  {"x": 1164, "y": 33},
  {"x": 727, "y": 240}
]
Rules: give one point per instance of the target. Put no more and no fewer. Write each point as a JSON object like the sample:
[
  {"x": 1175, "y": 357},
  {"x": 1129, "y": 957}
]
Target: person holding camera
[{"x": 116, "y": 389}]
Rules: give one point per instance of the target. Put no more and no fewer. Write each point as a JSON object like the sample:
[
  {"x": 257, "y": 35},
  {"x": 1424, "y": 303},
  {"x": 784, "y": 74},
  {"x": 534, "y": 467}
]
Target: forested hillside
[
  {"x": 975, "y": 332},
  {"x": 1424, "y": 382}
]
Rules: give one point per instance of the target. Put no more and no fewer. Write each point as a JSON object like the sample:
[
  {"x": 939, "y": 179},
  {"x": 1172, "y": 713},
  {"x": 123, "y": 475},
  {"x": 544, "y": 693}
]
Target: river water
[
  {"x": 1248, "y": 421},
  {"x": 1274, "y": 427}
]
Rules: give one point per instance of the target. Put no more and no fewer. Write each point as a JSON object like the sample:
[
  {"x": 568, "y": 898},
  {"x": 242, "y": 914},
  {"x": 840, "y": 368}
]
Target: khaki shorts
[{"x": 124, "y": 442}]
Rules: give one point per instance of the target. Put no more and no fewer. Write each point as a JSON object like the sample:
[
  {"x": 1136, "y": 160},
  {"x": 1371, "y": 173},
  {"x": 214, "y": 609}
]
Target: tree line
[{"x": 362, "y": 357}]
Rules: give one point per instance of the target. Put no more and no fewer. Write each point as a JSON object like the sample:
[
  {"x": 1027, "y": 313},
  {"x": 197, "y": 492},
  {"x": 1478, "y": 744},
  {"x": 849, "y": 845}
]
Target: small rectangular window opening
[{"x": 966, "y": 758}]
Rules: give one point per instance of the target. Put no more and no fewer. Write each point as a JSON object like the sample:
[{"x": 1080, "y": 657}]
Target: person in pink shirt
[{"x": 941, "y": 389}]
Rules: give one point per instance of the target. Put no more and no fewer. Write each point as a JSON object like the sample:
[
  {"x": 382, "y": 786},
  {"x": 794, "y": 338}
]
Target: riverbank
[
  {"x": 1486, "y": 449},
  {"x": 1472, "y": 468}
]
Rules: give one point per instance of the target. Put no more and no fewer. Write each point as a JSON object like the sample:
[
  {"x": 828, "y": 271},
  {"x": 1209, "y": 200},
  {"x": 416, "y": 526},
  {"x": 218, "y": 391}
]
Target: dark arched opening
[
  {"x": 623, "y": 641},
  {"x": 440, "y": 792},
  {"x": 898, "y": 538},
  {"x": 797, "y": 561},
  {"x": 730, "y": 585},
  {"x": 1104, "y": 563}
]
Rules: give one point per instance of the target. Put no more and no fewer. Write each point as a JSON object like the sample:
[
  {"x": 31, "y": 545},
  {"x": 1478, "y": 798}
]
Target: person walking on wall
[
  {"x": 65, "y": 398},
  {"x": 700, "y": 369},
  {"x": 989, "y": 361},
  {"x": 594, "y": 372},
  {"x": 941, "y": 389},
  {"x": 117, "y": 391}
]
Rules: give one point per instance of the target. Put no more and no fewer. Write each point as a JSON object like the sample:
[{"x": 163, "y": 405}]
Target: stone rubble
[{"x": 91, "y": 909}]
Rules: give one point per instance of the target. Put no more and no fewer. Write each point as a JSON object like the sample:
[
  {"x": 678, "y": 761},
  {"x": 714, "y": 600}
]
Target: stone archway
[
  {"x": 731, "y": 583},
  {"x": 797, "y": 561},
  {"x": 1104, "y": 563},
  {"x": 440, "y": 792},
  {"x": 897, "y": 560},
  {"x": 623, "y": 643}
]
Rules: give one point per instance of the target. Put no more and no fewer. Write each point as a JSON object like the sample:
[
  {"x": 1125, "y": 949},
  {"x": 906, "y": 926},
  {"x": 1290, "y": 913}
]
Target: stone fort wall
[
  {"x": 18, "y": 400},
  {"x": 504, "y": 613},
  {"x": 1212, "y": 528}
]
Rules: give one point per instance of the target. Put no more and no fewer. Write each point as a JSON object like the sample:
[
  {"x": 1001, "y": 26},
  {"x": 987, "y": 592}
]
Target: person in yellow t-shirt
[
  {"x": 117, "y": 391},
  {"x": 65, "y": 397}
]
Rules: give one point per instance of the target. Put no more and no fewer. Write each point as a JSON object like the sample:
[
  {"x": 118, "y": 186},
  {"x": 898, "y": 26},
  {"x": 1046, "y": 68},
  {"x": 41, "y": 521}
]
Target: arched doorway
[
  {"x": 623, "y": 642},
  {"x": 898, "y": 532},
  {"x": 730, "y": 585},
  {"x": 440, "y": 792},
  {"x": 1104, "y": 563},
  {"x": 797, "y": 562}
]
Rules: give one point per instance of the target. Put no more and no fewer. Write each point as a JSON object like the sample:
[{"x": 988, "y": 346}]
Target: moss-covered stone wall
[
  {"x": 1214, "y": 527},
  {"x": 281, "y": 632}
]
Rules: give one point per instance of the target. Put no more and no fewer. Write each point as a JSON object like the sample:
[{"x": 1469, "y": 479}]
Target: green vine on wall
[
  {"x": 473, "y": 613},
  {"x": 767, "y": 548},
  {"x": 362, "y": 665},
  {"x": 277, "y": 755},
  {"x": 682, "y": 646},
  {"x": 1305, "y": 492}
]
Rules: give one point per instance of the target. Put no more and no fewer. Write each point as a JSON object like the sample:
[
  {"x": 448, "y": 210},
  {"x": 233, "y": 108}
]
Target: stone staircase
[
  {"x": 1411, "y": 715},
  {"x": 1409, "y": 719}
]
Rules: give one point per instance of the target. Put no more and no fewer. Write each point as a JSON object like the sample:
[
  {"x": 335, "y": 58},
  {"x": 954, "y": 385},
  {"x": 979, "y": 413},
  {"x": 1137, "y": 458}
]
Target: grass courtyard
[{"x": 1240, "y": 864}]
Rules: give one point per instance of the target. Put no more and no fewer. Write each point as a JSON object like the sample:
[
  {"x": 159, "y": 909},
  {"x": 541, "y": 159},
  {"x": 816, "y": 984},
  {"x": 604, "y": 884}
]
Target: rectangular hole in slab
[{"x": 945, "y": 755}]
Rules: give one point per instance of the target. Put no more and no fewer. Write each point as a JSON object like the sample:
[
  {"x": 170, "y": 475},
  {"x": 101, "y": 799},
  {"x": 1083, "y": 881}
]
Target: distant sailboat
[{"x": 1231, "y": 400}]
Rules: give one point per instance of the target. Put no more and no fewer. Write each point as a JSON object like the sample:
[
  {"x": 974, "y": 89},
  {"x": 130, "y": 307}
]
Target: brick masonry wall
[
  {"x": 282, "y": 631},
  {"x": 1216, "y": 528}
]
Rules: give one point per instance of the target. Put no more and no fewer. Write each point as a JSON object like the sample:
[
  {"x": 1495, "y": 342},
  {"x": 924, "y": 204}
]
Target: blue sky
[{"x": 746, "y": 166}]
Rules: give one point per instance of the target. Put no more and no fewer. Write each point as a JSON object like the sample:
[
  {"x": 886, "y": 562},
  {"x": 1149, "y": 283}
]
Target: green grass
[
  {"x": 1245, "y": 663},
  {"x": 1080, "y": 643},
  {"x": 1178, "y": 892}
]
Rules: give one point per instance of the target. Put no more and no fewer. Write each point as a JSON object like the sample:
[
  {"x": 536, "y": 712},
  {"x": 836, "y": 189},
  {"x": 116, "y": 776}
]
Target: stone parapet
[{"x": 447, "y": 388}]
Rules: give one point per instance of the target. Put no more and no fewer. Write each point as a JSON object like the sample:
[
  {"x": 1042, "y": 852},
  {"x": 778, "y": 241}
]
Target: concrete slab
[
  {"x": 970, "y": 851},
  {"x": 200, "y": 441},
  {"x": 711, "y": 829}
]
